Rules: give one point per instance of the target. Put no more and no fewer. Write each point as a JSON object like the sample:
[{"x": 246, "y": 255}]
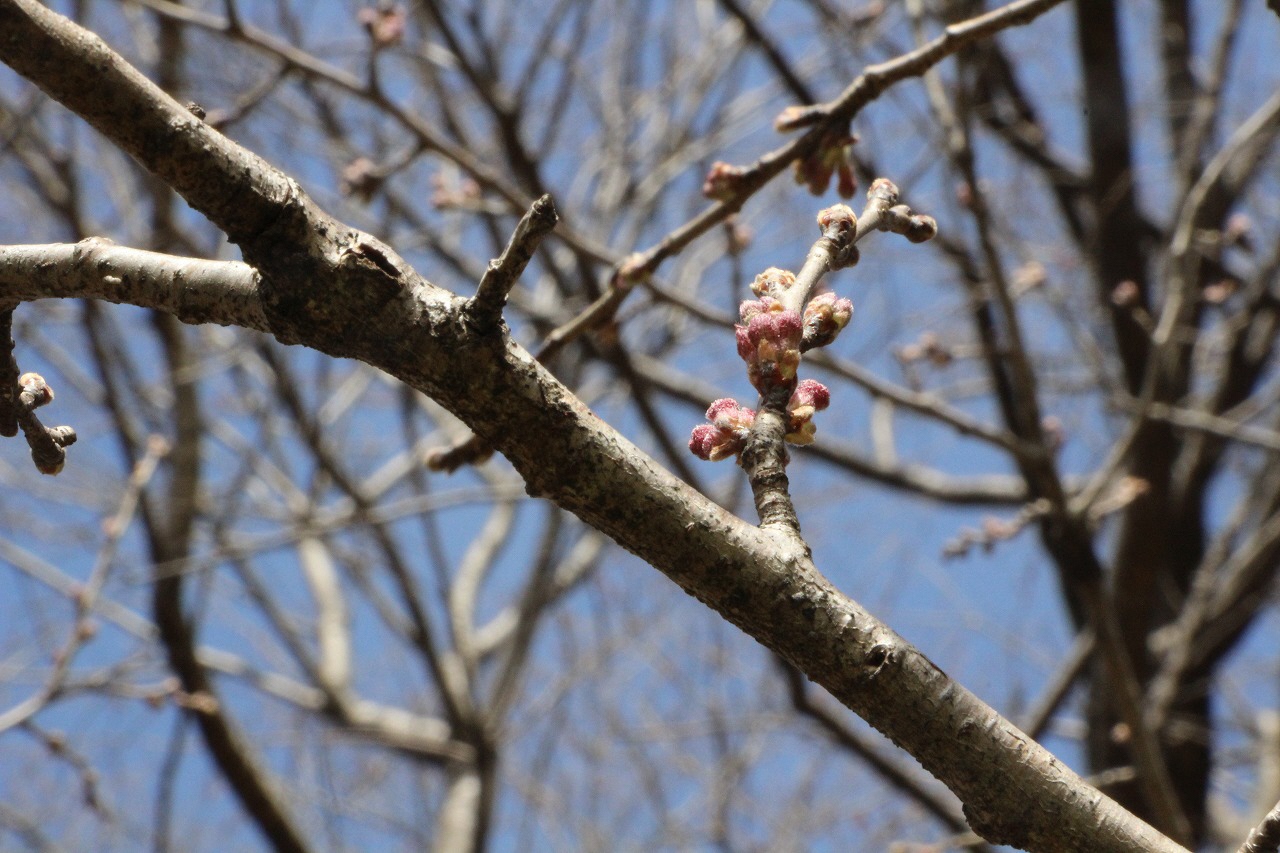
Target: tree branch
[{"x": 328, "y": 287}]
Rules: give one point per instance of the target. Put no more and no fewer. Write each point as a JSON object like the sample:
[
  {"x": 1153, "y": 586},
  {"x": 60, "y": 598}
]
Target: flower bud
[
  {"x": 824, "y": 317},
  {"x": 810, "y": 396},
  {"x": 773, "y": 282},
  {"x": 726, "y": 434},
  {"x": 770, "y": 345},
  {"x": 884, "y": 191},
  {"x": 838, "y": 215},
  {"x": 921, "y": 229},
  {"x": 723, "y": 181},
  {"x": 35, "y": 390}
]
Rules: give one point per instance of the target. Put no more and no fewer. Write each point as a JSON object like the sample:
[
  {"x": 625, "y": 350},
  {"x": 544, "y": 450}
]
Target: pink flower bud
[
  {"x": 725, "y": 413},
  {"x": 703, "y": 440},
  {"x": 810, "y": 393},
  {"x": 810, "y": 396},
  {"x": 770, "y": 345},
  {"x": 780, "y": 327},
  {"x": 727, "y": 433}
]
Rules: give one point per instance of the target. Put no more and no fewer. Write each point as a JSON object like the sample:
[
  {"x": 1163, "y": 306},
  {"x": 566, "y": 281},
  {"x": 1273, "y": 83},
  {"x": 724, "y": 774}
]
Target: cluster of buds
[
  {"x": 730, "y": 423},
  {"x": 833, "y": 156},
  {"x": 785, "y": 320},
  {"x": 900, "y": 218},
  {"x": 47, "y": 443},
  {"x": 769, "y": 342},
  {"x": 770, "y": 339}
]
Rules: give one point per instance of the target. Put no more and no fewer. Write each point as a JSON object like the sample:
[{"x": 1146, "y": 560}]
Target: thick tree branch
[{"x": 194, "y": 291}]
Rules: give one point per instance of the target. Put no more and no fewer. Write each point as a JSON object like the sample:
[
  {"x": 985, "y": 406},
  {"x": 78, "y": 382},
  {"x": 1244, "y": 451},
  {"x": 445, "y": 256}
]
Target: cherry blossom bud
[
  {"x": 921, "y": 229},
  {"x": 773, "y": 282},
  {"x": 63, "y": 436},
  {"x": 884, "y": 191},
  {"x": 824, "y": 317},
  {"x": 810, "y": 396},
  {"x": 838, "y": 215},
  {"x": 795, "y": 117},
  {"x": 770, "y": 345},
  {"x": 834, "y": 154},
  {"x": 726, "y": 434},
  {"x": 35, "y": 391},
  {"x": 723, "y": 181}
]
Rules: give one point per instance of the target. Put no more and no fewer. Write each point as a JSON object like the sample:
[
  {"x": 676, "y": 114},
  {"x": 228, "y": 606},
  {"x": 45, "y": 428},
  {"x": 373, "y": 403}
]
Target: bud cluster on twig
[
  {"x": 20, "y": 396},
  {"x": 791, "y": 315}
]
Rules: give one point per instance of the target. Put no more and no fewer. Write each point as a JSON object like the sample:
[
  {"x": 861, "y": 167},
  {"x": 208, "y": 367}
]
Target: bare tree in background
[{"x": 281, "y": 595}]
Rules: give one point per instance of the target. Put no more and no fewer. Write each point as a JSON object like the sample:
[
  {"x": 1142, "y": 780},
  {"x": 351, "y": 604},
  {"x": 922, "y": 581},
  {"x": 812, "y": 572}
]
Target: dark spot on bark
[{"x": 878, "y": 656}]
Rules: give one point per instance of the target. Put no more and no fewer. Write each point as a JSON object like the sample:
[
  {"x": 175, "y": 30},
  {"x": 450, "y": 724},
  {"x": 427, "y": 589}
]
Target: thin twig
[{"x": 485, "y": 308}]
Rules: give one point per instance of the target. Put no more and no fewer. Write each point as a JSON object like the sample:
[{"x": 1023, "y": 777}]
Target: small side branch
[{"x": 484, "y": 310}]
